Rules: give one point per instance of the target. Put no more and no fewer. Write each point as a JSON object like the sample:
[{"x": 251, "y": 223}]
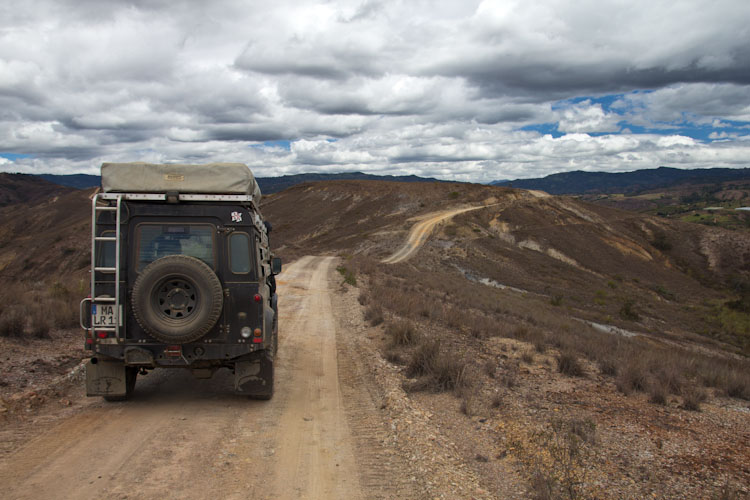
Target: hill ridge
[{"x": 581, "y": 182}]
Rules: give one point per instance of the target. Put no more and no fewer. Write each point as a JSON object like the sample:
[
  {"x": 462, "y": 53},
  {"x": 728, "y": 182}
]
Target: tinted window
[
  {"x": 159, "y": 240},
  {"x": 239, "y": 253},
  {"x": 105, "y": 251}
]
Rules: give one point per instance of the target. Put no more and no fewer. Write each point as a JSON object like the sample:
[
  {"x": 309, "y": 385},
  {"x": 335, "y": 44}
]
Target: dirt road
[
  {"x": 185, "y": 438},
  {"x": 421, "y": 230}
]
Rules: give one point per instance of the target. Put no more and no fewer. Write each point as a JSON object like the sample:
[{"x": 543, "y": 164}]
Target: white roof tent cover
[{"x": 210, "y": 178}]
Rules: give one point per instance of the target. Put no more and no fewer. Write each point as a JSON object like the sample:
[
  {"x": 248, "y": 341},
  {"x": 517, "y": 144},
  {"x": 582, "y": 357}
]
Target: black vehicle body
[{"x": 180, "y": 282}]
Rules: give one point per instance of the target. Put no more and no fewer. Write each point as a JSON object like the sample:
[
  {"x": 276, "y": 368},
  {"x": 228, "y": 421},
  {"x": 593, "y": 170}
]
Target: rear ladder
[{"x": 104, "y": 299}]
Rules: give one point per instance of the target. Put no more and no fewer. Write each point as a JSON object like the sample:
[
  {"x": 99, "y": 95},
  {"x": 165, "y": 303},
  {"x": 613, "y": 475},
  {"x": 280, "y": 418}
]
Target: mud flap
[
  {"x": 254, "y": 377},
  {"x": 106, "y": 378}
]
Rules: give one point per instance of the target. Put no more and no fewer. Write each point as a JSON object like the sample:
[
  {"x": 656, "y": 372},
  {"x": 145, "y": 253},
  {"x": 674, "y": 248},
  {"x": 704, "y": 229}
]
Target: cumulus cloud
[
  {"x": 474, "y": 90},
  {"x": 587, "y": 117}
]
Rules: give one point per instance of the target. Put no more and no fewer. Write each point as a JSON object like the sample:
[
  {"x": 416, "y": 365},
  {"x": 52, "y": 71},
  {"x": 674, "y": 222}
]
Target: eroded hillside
[
  {"x": 591, "y": 260},
  {"x": 562, "y": 349}
]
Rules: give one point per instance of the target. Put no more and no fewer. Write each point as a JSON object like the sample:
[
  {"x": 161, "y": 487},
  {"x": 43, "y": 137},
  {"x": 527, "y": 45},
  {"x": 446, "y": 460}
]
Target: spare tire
[{"x": 177, "y": 299}]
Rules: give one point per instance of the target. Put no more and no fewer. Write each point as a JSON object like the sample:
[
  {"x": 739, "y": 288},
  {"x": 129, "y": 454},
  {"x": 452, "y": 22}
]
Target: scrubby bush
[
  {"x": 348, "y": 275},
  {"x": 627, "y": 311},
  {"x": 12, "y": 323},
  {"x": 374, "y": 314},
  {"x": 633, "y": 377},
  {"x": 692, "y": 398},
  {"x": 569, "y": 364},
  {"x": 402, "y": 333},
  {"x": 661, "y": 242},
  {"x": 657, "y": 393},
  {"x": 440, "y": 371}
]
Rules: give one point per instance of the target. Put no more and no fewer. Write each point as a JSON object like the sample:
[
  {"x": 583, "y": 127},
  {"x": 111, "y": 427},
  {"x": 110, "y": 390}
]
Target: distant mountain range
[
  {"x": 579, "y": 182},
  {"x": 268, "y": 185}
]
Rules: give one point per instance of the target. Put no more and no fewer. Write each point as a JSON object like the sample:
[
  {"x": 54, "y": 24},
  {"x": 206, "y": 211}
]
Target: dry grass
[
  {"x": 569, "y": 364},
  {"x": 437, "y": 370},
  {"x": 402, "y": 333},
  {"x": 35, "y": 309},
  {"x": 476, "y": 312},
  {"x": 12, "y": 322},
  {"x": 692, "y": 398},
  {"x": 374, "y": 314},
  {"x": 657, "y": 393},
  {"x": 632, "y": 378}
]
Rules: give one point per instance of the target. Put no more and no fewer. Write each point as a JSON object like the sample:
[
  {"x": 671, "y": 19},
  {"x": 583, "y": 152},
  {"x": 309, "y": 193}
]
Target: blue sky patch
[
  {"x": 14, "y": 156},
  {"x": 619, "y": 104},
  {"x": 274, "y": 144},
  {"x": 544, "y": 128}
]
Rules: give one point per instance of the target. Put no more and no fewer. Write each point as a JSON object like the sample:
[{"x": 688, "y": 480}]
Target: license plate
[{"x": 104, "y": 315}]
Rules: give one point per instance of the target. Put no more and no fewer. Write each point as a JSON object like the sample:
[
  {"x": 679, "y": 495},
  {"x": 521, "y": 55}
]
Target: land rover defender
[{"x": 182, "y": 276}]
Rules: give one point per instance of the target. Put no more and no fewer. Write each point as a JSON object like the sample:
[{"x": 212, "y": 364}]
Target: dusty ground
[{"x": 323, "y": 435}]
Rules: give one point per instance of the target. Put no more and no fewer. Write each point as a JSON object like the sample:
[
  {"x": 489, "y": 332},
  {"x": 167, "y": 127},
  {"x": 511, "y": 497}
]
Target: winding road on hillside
[
  {"x": 180, "y": 437},
  {"x": 421, "y": 231}
]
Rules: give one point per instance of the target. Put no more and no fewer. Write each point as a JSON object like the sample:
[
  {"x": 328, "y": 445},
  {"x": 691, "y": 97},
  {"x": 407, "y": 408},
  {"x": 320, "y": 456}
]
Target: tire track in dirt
[{"x": 421, "y": 231}]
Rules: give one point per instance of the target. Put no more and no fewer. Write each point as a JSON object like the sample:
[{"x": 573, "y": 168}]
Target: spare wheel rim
[{"x": 176, "y": 298}]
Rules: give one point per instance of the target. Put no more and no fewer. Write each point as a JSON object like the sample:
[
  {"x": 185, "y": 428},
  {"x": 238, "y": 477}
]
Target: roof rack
[{"x": 181, "y": 196}]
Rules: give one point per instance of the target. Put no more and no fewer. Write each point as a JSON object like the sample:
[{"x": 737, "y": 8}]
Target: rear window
[
  {"x": 105, "y": 251},
  {"x": 239, "y": 254},
  {"x": 155, "y": 241}
]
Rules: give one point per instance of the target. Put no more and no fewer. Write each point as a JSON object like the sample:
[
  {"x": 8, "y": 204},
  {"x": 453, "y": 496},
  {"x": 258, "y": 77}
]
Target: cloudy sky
[{"x": 465, "y": 90}]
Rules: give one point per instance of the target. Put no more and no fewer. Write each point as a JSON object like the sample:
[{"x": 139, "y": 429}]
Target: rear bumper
[{"x": 184, "y": 356}]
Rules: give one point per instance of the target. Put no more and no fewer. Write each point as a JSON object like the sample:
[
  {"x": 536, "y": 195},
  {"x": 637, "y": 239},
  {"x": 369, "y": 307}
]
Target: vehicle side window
[
  {"x": 239, "y": 253},
  {"x": 105, "y": 251},
  {"x": 160, "y": 240}
]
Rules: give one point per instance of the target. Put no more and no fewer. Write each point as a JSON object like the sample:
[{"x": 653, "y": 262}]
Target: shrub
[
  {"x": 349, "y": 277},
  {"x": 669, "y": 376},
  {"x": 738, "y": 385},
  {"x": 692, "y": 398},
  {"x": 627, "y": 311},
  {"x": 607, "y": 366},
  {"x": 568, "y": 363},
  {"x": 374, "y": 314},
  {"x": 440, "y": 371},
  {"x": 40, "y": 329},
  {"x": 661, "y": 242},
  {"x": 632, "y": 378},
  {"x": 657, "y": 393},
  {"x": 363, "y": 298},
  {"x": 402, "y": 333},
  {"x": 64, "y": 312},
  {"x": 12, "y": 323},
  {"x": 664, "y": 293},
  {"x": 423, "y": 358},
  {"x": 393, "y": 355},
  {"x": 468, "y": 397},
  {"x": 527, "y": 357}
]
